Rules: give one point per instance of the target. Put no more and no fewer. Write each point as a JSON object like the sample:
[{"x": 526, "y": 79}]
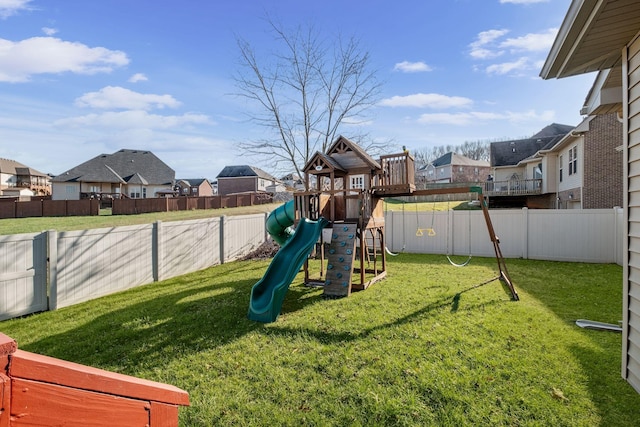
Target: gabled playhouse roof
[
  {"x": 342, "y": 156},
  {"x": 124, "y": 166}
]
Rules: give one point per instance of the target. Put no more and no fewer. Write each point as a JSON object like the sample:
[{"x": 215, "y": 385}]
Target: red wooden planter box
[{"x": 38, "y": 390}]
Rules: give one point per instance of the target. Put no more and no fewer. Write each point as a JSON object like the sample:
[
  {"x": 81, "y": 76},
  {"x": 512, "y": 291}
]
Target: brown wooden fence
[
  {"x": 13, "y": 208},
  {"x": 138, "y": 206},
  {"x": 44, "y": 207}
]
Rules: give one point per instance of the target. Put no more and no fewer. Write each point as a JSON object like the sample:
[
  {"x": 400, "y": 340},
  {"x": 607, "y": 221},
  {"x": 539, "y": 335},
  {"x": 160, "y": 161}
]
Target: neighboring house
[
  {"x": 604, "y": 36},
  {"x": 244, "y": 178},
  {"x": 453, "y": 167},
  {"x": 561, "y": 167},
  {"x": 15, "y": 178},
  {"x": 125, "y": 173},
  {"x": 194, "y": 187},
  {"x": 293, "y": 181},
  {"x": 516, "y": 181}
]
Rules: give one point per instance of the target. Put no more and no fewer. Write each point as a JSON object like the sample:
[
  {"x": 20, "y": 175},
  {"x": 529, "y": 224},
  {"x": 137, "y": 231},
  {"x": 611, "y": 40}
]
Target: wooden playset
[{"x": 346, "y": 186}]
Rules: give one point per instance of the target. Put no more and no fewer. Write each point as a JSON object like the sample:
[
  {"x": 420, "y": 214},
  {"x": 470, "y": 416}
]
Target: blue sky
[{"x": 80, "y": 78}]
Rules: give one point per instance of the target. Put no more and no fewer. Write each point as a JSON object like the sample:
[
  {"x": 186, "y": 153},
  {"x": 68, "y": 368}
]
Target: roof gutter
[{"x": 573, "y": 28}]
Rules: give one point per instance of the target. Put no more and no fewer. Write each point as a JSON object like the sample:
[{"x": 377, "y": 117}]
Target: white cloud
[
  {"x": 44, "y": 55},
  {"x": 138, "y": 77},
  {"x": 427, "y": 100},
  {"x": 485, "y": 39},
  {"x": 49, "y": 31},
  {"x": 523, "y": 1},
  {"x": 113, "y": 97},
  {"x": 133, "y": 119},
  {"x": 533, "y": 42},
  {"x": 411, "y": 67},
  {"x": 477, "y": 117},
  {"x": 508, "y": 67},
  {"x": 11, "y": 7}
]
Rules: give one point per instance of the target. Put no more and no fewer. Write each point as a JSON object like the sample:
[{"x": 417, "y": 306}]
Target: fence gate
[{"x": 23, "y": 274}]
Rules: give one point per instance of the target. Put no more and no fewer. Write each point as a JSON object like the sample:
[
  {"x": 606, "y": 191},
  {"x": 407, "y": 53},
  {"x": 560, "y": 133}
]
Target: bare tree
[
  {"x": 478, "y": 150},
  {"x": 305, "y": 94}
]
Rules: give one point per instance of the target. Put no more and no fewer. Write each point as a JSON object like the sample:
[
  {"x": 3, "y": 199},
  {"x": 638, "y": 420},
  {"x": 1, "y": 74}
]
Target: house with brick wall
[
  {"x": 561, "y": 167},
  {"x": 245, "y": 178},
  {"x": 194, "y": 187},
  {"x": 453, "y": 167}
]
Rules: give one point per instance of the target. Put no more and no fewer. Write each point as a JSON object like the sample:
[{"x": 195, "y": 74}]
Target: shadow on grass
[
  {"x": 588, "y": 291},
  {"x": 450, "y": 302},
  {"x": 197, "y": 316}
]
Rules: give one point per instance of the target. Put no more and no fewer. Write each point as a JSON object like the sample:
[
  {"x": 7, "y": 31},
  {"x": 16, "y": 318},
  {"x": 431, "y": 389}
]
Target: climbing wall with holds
[{"x": 340, "y": 260}]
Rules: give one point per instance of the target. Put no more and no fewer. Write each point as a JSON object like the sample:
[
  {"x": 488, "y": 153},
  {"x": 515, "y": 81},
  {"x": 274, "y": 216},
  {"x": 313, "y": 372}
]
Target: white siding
[
  {"x": 631, "y": 296},
  {"x": 575, "y": 179},
  {"x": 65, "y": 191}
]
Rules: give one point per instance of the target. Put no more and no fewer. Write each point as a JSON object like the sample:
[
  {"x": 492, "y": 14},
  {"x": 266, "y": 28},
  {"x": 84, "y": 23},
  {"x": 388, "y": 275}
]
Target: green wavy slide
[{"x": 268, "y": 293}]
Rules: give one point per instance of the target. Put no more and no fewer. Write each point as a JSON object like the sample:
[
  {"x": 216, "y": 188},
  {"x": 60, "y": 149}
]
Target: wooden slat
[
  {"x": 43, "y": 368},
  {"x": 163, "y": 415},
  {"x": 5, "y": 400},
  {"x": 39, "y": 404}
]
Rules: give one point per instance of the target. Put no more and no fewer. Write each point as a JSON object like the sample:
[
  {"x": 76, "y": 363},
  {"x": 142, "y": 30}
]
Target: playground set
[{"x": 341, "y": 216}]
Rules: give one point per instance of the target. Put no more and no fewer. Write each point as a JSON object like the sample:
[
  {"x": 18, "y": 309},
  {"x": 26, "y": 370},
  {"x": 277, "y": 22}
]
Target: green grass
[
  {"x": 425, "y": 346},
  {"x": 105, "y": 219},
  {"x": 409, "y": 206}
]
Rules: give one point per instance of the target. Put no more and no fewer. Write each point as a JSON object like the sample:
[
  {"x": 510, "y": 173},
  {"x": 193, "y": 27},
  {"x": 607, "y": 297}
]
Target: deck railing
[
  {"x": 398, "y": 173},
  {"x": 513, "y": 187}
]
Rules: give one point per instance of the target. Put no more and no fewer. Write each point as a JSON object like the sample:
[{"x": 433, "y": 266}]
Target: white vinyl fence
[
  {"x": 91, "y": 263},
  {"x": 87, "y": 264},
  {"x": 589, "y": 235}
]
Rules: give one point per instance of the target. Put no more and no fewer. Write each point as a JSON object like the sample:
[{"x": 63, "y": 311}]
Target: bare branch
[{"x": 304, "y": 94}]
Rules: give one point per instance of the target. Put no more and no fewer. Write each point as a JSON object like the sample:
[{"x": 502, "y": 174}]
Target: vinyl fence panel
[
  {"x": 242, "y": 234},
  {"x": 23, "y": 274},
  {"x": 589, "y": 235},
  {"x": 98, "y": 262},
  {"x": 188, "y": 246}
]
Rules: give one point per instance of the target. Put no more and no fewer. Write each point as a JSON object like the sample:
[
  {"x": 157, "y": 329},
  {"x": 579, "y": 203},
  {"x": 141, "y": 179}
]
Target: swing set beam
[{"x": 502, "y": 266}]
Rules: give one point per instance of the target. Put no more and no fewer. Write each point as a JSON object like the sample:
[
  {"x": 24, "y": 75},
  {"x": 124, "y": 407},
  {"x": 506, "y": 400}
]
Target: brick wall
[
  {"x": 603, "y": 177},
  {"x": 237, "y": 185}
]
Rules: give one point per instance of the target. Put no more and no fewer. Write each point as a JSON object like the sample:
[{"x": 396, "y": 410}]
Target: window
[
  {"x": 573, "y": 160},
  {"x": 144, "y": 193},
  {"x": 356, "y": 182},
  {"x": 95, "y": 189},
  {"x": 537, "y": 171},
  {"x": 560, "y": 168},
  {"x": 476, "y": 171},
  {"x": 442, "y": 171}
]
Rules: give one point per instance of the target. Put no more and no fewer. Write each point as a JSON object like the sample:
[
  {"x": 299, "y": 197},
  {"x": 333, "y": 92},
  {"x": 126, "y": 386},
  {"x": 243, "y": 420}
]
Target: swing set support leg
[{"x": 502, "y": 265}]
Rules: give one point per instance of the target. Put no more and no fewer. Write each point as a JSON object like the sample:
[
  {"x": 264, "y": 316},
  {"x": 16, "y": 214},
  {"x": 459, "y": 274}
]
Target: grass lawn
[
  {"x": 423, "y": 347},
  {"x": 105, "y": 219}
]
